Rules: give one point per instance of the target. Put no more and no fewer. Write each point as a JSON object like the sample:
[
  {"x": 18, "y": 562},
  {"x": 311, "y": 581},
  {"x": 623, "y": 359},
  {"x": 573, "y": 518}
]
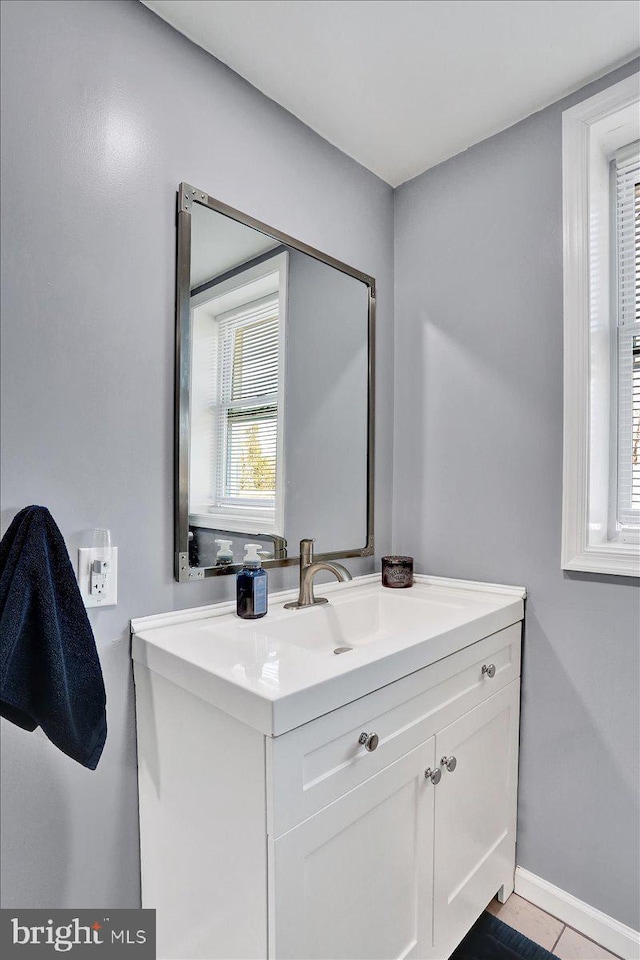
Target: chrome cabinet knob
[
  {"x": 369, "y": 741},
  {"x": 433, "y": 775},
  {"x": 450, "y": 763},
  {"x": 489, "y": 670}
]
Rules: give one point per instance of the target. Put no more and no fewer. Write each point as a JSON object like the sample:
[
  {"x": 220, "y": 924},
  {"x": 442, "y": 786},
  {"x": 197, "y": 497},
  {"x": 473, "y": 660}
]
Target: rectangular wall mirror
[{"x": 274, "y": 395}]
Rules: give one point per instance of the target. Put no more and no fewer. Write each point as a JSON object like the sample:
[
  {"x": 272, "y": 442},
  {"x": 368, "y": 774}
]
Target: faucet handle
[{"x": 306, "y": 552}]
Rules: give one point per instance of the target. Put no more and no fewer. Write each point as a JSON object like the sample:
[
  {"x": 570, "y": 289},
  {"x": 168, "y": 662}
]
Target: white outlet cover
[{"x": 110, "y": 598}]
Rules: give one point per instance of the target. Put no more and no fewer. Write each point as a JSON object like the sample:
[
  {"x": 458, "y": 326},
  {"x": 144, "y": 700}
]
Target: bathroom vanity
[{"x": 300, "y": 803}]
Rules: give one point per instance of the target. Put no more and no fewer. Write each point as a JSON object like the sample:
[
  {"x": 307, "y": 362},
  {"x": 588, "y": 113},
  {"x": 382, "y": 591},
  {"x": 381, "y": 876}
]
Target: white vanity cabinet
[
  {"x": 399, "y": 865},
  {"x": 310, "y": 844}
]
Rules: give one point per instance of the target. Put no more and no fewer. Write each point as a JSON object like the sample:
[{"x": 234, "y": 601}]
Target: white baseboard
[{"x": 592, "y": 923}]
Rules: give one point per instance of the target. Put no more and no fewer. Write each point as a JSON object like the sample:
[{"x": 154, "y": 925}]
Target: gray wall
[
  {"x": 478, "y": 487},
  {"x": 105, "y": 110}
]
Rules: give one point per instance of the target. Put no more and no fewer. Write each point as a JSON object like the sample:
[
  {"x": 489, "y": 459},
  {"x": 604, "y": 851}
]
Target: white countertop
[{"x": 274, "y": 684}]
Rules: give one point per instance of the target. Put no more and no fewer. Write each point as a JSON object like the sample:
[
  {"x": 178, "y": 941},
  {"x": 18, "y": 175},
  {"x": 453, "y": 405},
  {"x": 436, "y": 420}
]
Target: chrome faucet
[{"x": 308, "y": 569}]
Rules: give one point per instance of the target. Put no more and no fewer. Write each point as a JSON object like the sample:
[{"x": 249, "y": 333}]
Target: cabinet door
[
  {"x": 475, "y": 815},
  {"x": 356, "y": 879}
]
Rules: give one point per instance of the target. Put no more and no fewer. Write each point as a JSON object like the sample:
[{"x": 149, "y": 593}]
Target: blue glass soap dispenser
[{"x": 251, "y": 585}]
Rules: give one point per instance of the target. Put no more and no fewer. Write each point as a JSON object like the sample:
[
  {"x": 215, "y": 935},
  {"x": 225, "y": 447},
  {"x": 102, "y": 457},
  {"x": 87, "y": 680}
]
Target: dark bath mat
[{"x": 491, "y": 939}]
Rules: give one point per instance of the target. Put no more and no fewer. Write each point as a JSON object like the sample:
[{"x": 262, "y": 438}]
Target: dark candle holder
[{"x": 397, "y": 572}]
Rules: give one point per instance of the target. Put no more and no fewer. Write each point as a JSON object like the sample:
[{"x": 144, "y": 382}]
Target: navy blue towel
[{"x": 50, "y": 674}]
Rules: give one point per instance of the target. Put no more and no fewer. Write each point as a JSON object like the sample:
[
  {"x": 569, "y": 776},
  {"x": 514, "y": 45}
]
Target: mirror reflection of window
[
  {"x": 245, "y": 402},
  {"x": 237, "y": 405}
]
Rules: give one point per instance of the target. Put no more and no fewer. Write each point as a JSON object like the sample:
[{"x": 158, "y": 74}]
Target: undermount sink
[{"x": 355, "y": 619}]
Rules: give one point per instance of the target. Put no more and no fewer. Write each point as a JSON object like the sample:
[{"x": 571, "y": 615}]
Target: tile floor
[{"x": 550, "y": 933}]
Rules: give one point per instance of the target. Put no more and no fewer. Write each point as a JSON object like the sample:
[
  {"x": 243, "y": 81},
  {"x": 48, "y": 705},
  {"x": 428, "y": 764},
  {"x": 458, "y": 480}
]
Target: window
[
  {"x": 601, "y": 200},
  {"x": 237, "y": 407},
  {"x": 246, "y": 406},
  {"x": 627, "y": 214}
]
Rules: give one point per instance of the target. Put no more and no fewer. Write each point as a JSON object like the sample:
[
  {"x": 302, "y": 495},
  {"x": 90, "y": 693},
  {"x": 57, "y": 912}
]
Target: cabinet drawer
[{"x": 315, "y": 764}]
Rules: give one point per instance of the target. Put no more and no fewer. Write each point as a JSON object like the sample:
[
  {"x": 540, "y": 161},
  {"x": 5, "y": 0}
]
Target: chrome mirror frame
[{"x": 187, "y": 196}]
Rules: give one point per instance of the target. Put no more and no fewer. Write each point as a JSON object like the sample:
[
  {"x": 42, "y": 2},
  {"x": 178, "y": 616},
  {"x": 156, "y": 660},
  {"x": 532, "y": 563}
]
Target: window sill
[
  {"x": 234, "y": 523},
  {"x": 613, "y": 557}
]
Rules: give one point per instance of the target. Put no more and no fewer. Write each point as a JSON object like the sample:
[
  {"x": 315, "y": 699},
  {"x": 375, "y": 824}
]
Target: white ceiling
[{"x": 401, "y": 85}]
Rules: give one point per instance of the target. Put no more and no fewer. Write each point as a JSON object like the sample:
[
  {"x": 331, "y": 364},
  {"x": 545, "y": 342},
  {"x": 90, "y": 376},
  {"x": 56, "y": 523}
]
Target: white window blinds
[
  {"x": 245, "y": 405},
  {"x": 628, "y": 286}
]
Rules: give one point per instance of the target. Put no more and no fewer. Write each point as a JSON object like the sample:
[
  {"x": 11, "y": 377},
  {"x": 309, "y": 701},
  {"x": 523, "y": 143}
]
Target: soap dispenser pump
[
  {"x": 225, "y": 553},
  {"x": 251, "y": 585}
]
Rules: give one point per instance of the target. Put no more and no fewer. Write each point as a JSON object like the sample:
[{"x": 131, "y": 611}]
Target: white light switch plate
[{"x": 110, "y": 597}]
